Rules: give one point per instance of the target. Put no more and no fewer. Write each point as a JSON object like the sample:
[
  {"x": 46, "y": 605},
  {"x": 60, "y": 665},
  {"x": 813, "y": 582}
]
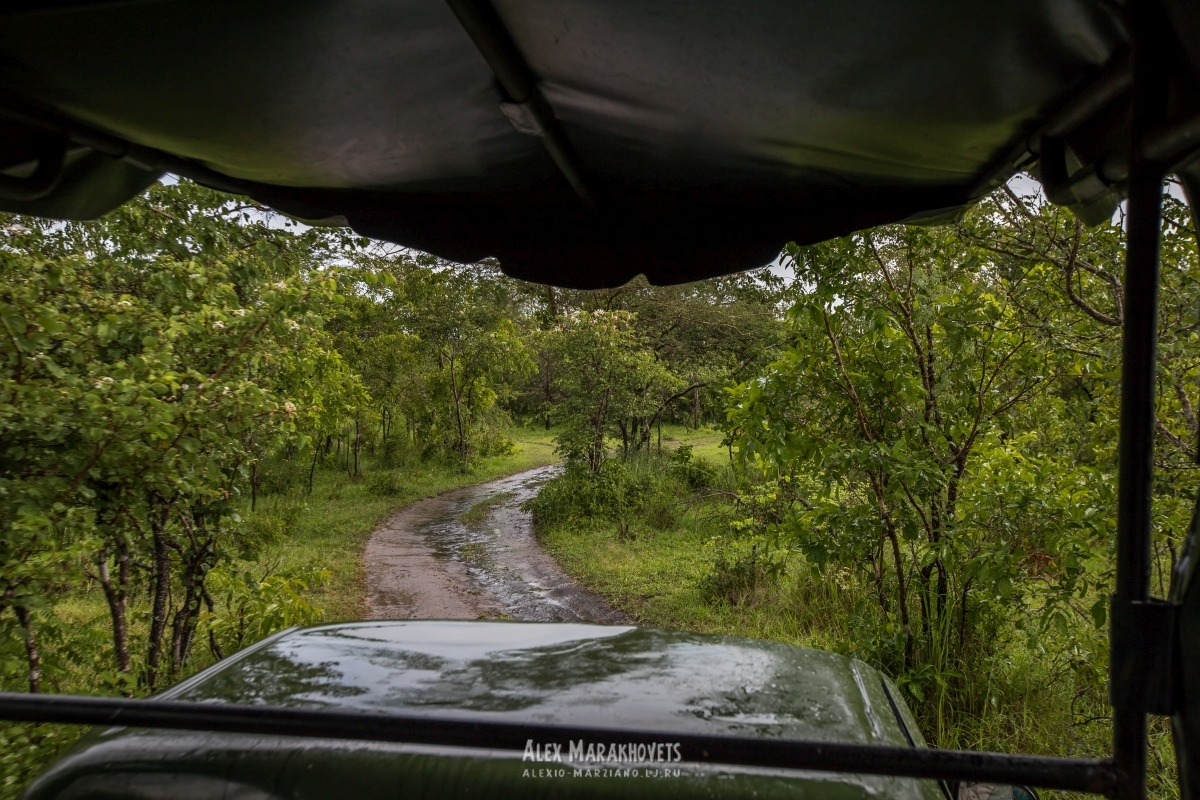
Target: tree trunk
[
  {"x": 213, "y": 646},
  {"x": 313, "y": 469},
  {"x": 183, "y": 623},
  {"x": 158, "y": 615},
  {"x": 877, "y": 563},
  {"x": 462, "y": 438},
  {"x": 908, "y": 637},
  {"x": 943, "y": 590},
  {"x": 357, "y": 442},
  {"x": 696, "y": 408},
  {"x": 596, "y": 454},
  {"x": 927, "y": 611},
  {"x": 31, "y": 649},
  {"x": 117, "y": 597},
  {"x": 878, "y": 483},
  {"x": 962, "y": 625}
]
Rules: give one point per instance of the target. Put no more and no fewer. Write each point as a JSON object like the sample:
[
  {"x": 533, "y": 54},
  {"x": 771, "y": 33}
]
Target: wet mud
[{"x": 437, "y": 559}]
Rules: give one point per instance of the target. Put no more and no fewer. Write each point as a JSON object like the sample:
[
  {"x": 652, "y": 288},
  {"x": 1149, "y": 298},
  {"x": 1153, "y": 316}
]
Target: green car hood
[{"x": 578, "y": 675}]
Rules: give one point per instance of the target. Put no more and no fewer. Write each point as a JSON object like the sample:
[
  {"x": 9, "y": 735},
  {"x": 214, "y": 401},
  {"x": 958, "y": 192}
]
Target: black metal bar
[
  {"x": 1138, "y": 367},
  {"x": 1069, "y": 774},
  {"x": 1171, "y": 144},
  {"x": 1103, "y": 91},
  {"x": 493, "y": 41},
  {"x": 1115, "y": 81}
]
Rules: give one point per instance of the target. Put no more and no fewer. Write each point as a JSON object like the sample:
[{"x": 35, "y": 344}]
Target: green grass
[
  {"x": 479, "y": 513},
  {"x": 654, "y": 576},
  {"x": 705, "y": 442}
]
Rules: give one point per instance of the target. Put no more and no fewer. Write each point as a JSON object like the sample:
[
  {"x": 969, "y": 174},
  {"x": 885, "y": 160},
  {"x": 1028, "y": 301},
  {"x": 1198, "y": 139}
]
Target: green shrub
[
  {"x": 697, "y": 474},
  {"x": 275, "y": 520},
  {"x": 578, "y": 493},
  {"x": 280, "y": 475},
  {"x": 247, "y": 608},
  {"x": 24, "y": 750},
  {"x": 740, "y": 577},
  {"x": 661, "y": 510},
  {"x": 492, "y": 442},
  {"x": 647, "y": 488},
  {"x": 384, "y": 483}
]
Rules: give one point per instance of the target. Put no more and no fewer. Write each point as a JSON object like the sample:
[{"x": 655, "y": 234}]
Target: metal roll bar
[{"x": 1072, "y": 774}]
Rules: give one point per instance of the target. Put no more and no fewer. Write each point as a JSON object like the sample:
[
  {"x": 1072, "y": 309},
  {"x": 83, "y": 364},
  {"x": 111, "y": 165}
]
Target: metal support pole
[{"x": 1138, "y": 367}]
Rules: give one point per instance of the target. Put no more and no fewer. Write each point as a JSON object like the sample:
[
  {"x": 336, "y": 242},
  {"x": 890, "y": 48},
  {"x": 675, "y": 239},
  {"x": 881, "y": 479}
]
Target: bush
[
  {"x": 740, "y": 578},
  {"x": 279, "y": 475},
  {"x": 384, "y": 483},
  {"x": 648, "y": 488},
  {"x": 661, "y": 510},
  {"x": 697, "y": 474},
  {"x": 275, "y": 521},
  {"x": 247, "y": 609},
  {"x": 492, "y": 442},
  {"x": 578, "y": 493},
  {"x": 24, "y": 750}
]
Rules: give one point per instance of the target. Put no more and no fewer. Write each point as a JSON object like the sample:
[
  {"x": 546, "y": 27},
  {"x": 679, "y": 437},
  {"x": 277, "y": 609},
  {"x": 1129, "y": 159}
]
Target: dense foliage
[
  {"x": 944, "y": 417},
  {"x": 910, "y": 445},
  {"x": 173, "y": 367},
  {"x": 145, "y": 366}
]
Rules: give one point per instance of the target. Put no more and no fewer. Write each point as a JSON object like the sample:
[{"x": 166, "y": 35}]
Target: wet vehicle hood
[{"x": 570, "y": 674}]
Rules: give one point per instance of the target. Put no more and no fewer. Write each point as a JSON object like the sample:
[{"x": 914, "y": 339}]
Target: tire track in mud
[{"x": 425, "y": 562}]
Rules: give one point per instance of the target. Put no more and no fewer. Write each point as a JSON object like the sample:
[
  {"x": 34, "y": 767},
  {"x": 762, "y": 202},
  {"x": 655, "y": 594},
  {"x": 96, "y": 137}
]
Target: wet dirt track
[{"x": 425, "y": 563}]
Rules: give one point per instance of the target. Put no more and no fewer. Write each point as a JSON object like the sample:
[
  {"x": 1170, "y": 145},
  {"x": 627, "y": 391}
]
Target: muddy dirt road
[{"x": 438, "y": 559}]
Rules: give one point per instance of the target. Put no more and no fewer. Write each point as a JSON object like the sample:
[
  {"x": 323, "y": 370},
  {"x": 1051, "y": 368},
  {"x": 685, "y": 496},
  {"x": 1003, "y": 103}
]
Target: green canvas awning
[{"x": 580, "y": 142}]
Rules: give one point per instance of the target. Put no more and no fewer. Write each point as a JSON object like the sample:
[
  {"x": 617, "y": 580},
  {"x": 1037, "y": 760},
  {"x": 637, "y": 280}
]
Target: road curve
[{"x": 424, "y": 562}]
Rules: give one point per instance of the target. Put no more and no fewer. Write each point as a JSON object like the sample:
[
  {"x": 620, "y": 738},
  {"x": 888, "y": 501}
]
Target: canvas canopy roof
[{"x": 580, "y": 142}]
